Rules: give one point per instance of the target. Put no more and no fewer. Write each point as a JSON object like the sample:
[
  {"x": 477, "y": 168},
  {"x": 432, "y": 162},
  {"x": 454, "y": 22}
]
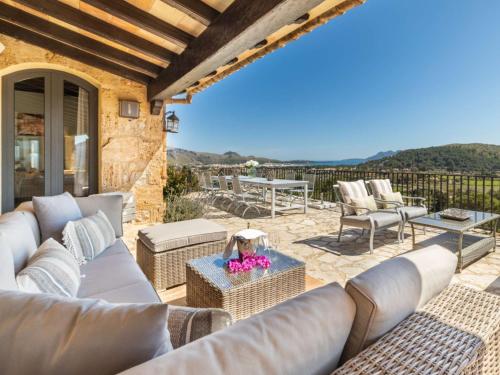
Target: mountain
[
  {"x": 345, "y": 162},
  {"x": 179, "y": 156},
  {"x": 472, "y": 157}
]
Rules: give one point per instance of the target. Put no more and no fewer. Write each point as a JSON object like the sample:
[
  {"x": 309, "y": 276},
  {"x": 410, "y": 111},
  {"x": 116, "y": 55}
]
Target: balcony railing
[{"x": 475, "y": 192}]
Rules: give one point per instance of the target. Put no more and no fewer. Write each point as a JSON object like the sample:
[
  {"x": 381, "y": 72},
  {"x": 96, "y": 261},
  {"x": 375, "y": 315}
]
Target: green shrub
[
  {"x": 179, "y": 208},
  {"x": 180, "y": 181}
]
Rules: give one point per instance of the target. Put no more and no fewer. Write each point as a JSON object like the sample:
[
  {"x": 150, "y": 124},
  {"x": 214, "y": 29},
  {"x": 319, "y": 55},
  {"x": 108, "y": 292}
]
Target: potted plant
[{"x": 251, "y": 166}]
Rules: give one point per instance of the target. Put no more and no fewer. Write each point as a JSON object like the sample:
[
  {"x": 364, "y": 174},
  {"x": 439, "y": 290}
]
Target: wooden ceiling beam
[
  {"x": 195, "y": 9},
  {"x": 144, "y": 20},
  {"x": 71, "y": 52},
  {"x": 242, "y": 25},
  {"x": 94, "y": 25},
  {"x": 49, "y": 29}
]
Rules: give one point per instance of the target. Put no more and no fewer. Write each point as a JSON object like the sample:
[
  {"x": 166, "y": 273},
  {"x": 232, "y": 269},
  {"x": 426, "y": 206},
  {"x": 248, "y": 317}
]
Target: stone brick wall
[{"x": 132, "y": 152}]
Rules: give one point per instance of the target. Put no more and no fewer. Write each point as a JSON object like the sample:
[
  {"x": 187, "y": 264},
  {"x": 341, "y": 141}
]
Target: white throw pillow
[
  {"x": 52, "y": 269},
  {"x": 88, "y": 237}
]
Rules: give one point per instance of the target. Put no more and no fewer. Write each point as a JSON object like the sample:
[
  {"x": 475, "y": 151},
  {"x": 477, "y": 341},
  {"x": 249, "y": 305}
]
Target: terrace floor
[{"x": 312, "y": 238}]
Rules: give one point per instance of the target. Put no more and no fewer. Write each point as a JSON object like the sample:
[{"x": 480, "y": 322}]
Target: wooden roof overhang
[{"x": 172, "y": 46}]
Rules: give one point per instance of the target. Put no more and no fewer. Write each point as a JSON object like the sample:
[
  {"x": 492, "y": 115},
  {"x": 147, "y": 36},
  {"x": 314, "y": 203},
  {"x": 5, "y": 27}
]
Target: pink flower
[{"x": 248, "y": 263}]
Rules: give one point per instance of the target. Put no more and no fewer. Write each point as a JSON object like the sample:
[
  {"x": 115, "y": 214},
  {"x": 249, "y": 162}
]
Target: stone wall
[{"x": 132, "y": 152}]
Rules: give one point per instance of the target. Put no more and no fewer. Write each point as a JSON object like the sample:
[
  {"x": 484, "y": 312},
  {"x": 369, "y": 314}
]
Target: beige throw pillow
[
  {"x": 363, "y": 204},
  {"x": 392, "y": 197},
  {"x": 46, "y": 334}
]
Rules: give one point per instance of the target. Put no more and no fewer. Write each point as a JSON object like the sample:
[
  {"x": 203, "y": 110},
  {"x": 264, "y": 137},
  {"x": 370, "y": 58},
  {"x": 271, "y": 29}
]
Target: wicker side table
[
  {"x": 209, "y": 284},
  {"x": 458, "y": 332},
  {"x": 163, "y": 250}
]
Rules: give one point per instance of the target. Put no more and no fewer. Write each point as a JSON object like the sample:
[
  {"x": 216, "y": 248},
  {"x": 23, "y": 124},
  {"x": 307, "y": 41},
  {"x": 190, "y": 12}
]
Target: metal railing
[{"x": 475, "y": 192}]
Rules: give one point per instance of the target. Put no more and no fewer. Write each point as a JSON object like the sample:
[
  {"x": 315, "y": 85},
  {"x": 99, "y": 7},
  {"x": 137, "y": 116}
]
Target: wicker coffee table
[{"x": 209, "y": 284}]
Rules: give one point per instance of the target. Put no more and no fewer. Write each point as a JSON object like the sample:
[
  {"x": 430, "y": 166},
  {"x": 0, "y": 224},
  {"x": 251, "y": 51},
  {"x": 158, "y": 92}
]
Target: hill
[
  {"x": 179, "y": 156},
  {"x": 473, "y": 157}
]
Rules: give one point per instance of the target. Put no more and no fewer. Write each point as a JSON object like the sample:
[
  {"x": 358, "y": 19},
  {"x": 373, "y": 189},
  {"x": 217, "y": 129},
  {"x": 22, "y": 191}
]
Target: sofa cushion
[
  {"x": 304, "y": 335},
  {"x": 26, "y": 208},
  {"x": 110, "y": 204},
  {"x": 88, "y": 237},
  {"x": 18, "y": 235},
  {"x": 7, "y": 273},
  {"x": 109, "y": 272},
  {"x": 46, "y": 334},
  {"x": 52, "y": 269},
  {"x": 171, "y": 236},
  {"x": 389, "y": 292},
  {"x": 139, "y": 292},
  {"x": 53, "y": 213}
]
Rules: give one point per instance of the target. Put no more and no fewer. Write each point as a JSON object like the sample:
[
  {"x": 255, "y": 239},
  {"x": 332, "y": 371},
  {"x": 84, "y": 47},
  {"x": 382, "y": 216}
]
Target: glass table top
[
  {"x": 475, "y": 219},
  {"x": 213, "y": 268}
]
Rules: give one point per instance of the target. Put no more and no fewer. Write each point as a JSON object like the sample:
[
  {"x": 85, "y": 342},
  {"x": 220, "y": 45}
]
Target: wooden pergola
[{"x": 172, "y": 46}]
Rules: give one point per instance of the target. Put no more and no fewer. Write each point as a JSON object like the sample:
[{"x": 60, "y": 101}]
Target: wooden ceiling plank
[
  {"x": 49, "y": 29},
  {"x": 75, "y": 17},
  {"x": 195, "y": 9},
  {"x": 243, "y": 24},
  {"x": 143, "y": 20},
  {"x": 71, "y": 52}
]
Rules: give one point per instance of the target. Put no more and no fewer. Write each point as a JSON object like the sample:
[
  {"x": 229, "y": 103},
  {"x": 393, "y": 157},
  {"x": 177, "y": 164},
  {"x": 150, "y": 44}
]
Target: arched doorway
[{"x": 49, "y": 135}]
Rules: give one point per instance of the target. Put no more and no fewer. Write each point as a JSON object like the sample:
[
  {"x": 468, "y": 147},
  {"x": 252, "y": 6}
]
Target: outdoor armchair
[
  {"x": 367, "y": 219},
  {"x": 412, "y": 207}
]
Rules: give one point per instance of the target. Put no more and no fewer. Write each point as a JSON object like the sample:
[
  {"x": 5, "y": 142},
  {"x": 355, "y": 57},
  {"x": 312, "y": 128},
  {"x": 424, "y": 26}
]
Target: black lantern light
[{"x": 171, "y": 122}]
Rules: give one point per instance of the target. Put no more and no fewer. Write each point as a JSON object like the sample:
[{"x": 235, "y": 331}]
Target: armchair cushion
[
  {"x": 411, "y": 212},
  {"x": 389, "y": 292},
  {"x": 392, "y": 197},
  {"x": 187, "y": 324},
  {"x": 380, "y": 220},
  {"x": 352, "y": 189},
  {"x": 379, "y": 187},
  {"x": 53, "y": 213},
  {"x": 362, "y": 204}
]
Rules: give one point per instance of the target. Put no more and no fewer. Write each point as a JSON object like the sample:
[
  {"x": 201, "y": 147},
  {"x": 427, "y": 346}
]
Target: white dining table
[{"x": 273, "y": 185}]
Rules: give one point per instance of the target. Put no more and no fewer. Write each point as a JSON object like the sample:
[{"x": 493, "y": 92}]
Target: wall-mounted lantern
[
  {"x": 171, "y": 122},
  {"x": 129, "y": 109}
]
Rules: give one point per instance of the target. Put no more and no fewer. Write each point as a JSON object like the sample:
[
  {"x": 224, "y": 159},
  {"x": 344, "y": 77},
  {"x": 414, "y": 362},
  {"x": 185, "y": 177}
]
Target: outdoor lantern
[{"x": 171, "y": 122}]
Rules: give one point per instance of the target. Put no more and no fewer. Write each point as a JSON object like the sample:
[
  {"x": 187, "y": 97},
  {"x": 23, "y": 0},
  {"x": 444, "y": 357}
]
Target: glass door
[{"x": 49, "y": 136}]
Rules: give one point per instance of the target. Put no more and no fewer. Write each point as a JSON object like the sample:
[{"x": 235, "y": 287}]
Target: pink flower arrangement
[{"x": 248, "y": 263}]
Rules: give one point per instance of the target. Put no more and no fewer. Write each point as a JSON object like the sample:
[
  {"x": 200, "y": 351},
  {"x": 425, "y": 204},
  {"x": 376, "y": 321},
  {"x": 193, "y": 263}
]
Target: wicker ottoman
[
  {"x": 209, "y": 284},
  {"x": 163, "y": 250}
]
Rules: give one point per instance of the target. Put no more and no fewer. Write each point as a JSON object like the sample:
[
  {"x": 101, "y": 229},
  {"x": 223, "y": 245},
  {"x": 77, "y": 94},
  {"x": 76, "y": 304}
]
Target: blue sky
[{"x": 388, "y": 75}]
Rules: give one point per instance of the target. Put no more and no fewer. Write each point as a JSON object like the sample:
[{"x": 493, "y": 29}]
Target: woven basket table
[
  {"x": 163, "y": 250},
  {"x": 209, "y": 284},
  {"x": 458, "y": 332}
]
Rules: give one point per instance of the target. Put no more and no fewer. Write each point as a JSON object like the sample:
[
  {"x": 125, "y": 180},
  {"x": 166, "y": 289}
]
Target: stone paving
[{"x": 312, "y": 238}]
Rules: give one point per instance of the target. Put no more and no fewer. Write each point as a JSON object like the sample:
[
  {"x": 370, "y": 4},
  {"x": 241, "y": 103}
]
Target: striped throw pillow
[
  {"x": 88, "y": 237},
  {"x": 50, "y": 270}
]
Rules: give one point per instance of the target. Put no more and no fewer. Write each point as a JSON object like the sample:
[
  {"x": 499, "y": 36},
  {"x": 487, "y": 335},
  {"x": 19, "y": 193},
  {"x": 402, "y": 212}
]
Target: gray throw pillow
[
  {"x": 88, "y": 237},
  {"x": 52, "y": 269},
  {"x": 45, "y": 334},
  {"x": 53, "y": 213},
  {"x": 7, "y": 274}
]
